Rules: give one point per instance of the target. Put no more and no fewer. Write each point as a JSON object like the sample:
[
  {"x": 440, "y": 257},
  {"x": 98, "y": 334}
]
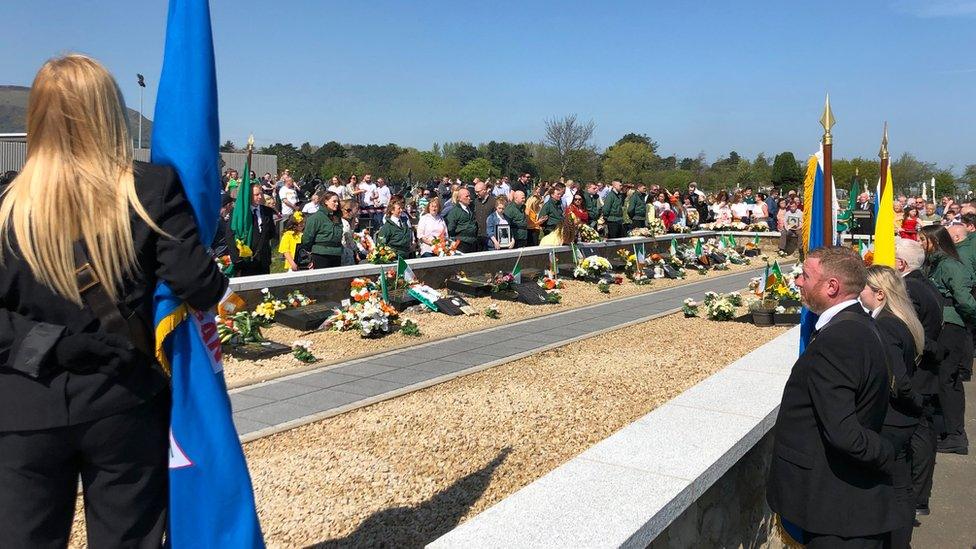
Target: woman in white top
[
  {"x": 430, "y": 226},
  {"x": 659, "y": 202},
  {"x": 336, "y": 186},
  {"x": 740, "y": 209},
  {"x": 721, "y": 210}
]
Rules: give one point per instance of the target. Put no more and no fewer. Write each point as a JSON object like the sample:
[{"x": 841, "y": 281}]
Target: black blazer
[
  {"x": 264, "y": 238},
  {"x": 905, "y": 404},
  {"x": 928, "y": 306},
  {"x": 33, "y": 318},
  {"x": 829, "y": 468}
]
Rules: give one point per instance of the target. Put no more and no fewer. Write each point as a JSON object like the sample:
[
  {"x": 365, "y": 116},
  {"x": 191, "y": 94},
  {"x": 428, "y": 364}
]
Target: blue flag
[
  {"x": 211, "y": 502},
  {"x": 814, "y": 219}
]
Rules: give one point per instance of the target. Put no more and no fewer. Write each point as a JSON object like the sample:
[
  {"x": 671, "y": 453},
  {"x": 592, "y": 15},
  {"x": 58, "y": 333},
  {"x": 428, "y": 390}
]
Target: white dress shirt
[{"x": 830, "y": 313}]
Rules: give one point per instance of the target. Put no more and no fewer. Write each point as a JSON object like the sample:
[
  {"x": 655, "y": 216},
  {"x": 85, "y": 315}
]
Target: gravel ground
[
  {"x": 402, "y": 472},
  {"x": 334, "y": 347}
]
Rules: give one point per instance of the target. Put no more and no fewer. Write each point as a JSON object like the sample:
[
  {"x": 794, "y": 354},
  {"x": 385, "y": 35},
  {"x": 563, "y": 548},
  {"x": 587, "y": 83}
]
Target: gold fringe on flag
[{"x": 808, "y": 202}]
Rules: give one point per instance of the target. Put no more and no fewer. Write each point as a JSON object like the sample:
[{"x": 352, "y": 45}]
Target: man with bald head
[
  {"x": 483, "y": 205},
  {"x": 515, "y": 213},
  {"x": 461, "y": 223}
]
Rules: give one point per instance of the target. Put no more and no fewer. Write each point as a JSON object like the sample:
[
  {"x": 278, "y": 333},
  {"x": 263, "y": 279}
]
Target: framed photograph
[{"x": 504, "y": 235}]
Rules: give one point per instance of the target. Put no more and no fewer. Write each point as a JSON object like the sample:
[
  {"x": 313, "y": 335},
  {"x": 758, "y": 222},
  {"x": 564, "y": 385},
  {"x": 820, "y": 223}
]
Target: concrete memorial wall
[
  {"x": 333, "y": 284},
  {"x": 691, "y": 473}
]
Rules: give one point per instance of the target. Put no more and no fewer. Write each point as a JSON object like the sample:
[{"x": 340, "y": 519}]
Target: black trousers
[
  {"x": 637, "y": 224},
  {"x": 924, "y": 441},
  {"x": 827, "y": 541},
  {"x": 900, "y": 438},
  {"x": 957, "y": 342},
  {"x": 251, "y": 268},
  {"x": 615, "y": 229},
  {"x": 520, "y": 243},
  {"x": 468, "y": 247},
  {"x": 324, "y": 261},
  {"x": 122, "y": 461},
  {"x": 534, "y": 237}
]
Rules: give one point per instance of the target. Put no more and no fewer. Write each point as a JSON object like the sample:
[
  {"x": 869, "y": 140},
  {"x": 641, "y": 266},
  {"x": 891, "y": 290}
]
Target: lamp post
[{"x": 142, "y": 86}]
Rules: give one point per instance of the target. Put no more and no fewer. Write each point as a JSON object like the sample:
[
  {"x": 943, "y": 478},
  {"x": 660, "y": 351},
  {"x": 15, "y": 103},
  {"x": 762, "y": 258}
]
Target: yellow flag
[{"x": 884, "y": 227}]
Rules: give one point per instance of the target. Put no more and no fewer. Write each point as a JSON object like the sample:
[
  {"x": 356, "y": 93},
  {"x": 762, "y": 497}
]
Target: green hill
[{"x": 13, "y": 114}]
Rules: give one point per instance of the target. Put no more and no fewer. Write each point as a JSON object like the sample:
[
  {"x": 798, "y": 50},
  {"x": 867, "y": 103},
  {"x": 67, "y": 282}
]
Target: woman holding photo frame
[{"x": 499, "y": 230}]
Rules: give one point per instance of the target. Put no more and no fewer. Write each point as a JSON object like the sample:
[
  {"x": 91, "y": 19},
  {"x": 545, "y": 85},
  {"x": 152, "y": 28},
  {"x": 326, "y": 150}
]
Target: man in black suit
[
  {"x": 830, "y": 472},
  {"x": 909, "y": 257},
  {"x": 265, "y": 232}
]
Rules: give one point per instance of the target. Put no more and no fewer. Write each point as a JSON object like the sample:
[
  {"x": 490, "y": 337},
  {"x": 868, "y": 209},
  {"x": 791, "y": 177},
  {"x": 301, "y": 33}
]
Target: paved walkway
[
  {"x": 298, "y": 399},
  {"x": 951, "y": 523}
]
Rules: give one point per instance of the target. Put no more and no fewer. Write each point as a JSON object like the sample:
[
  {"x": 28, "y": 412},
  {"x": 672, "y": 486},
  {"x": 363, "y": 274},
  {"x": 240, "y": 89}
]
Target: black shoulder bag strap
[{"x": 109, "y": 313}]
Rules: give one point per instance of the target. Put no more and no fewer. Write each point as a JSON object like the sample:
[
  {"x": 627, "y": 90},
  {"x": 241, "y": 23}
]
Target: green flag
[
  {"x": 577, "y": 254},
  {"x": 698, "y": 248},
  {"x": 241, "y": 220},
  {"x": 764, "y": 281},
  {"x": 517, "y": 269},
  {"x": 732, "y": 242},
  {"x": 553, "y": 265},
  {"x": 384, "y": 291},
  {"x": 775, "y": 276},
  {"x": 674, "y": 247},
  {"x": 405, "y": 272},
  {"x": 755, "y": 240}
]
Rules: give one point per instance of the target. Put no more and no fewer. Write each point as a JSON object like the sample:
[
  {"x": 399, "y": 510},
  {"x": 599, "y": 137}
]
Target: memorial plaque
[
  {"x": 256, "y": 351},
  {"x": 786, "y": 319},
  {"x": 473, "y": 288},
  {"x": 307, "y": 318},
  {"x": 717, "y": 257},
  {"x": 400, "y": 300},
  {"x": 671, "y": 272},
  {"x": 454, "y": 306},
  {"x": 752, "y": 252},
  {"x": 531, "y": 274},
  {"x": 618, "y": 264},
  {"x": 566, "y": 269},
  {"x": 530, "y": 293}
]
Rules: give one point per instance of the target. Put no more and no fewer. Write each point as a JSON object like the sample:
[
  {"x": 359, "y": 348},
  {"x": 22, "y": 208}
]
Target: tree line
[{"x": 567, "y": 151}]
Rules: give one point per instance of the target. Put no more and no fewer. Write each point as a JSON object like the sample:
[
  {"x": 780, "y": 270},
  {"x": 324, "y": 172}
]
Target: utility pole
[{"x": 142, "y": 87}]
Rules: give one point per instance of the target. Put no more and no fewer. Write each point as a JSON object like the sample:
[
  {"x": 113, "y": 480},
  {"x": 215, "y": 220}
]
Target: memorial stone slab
[
  {"x": 307, "y": 318},
  {"x": 256, "y": 351}
]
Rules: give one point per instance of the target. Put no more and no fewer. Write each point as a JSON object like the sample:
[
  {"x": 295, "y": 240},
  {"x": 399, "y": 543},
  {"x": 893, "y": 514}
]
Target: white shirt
[
  {"x": 289, "y": 194},
  {"x": 383, "y": 196},
  {"x": 310, "y": 208},
  {"x": 501, "y": 189},
  {"x": 367, "y": 196},
  {"x": 568, "y": 197},
  {"x": 830, "y": 313},
  {"x": 340, "y": 190}
]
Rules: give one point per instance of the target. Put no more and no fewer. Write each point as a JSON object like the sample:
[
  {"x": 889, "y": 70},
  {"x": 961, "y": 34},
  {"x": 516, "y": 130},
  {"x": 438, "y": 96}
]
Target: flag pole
[
  {"x": 883, "y": 154},
  {"x": 827, "y": 121}
]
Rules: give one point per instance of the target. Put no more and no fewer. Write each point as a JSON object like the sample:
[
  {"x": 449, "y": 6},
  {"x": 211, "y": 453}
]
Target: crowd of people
[{"x": 878, "y": 391}]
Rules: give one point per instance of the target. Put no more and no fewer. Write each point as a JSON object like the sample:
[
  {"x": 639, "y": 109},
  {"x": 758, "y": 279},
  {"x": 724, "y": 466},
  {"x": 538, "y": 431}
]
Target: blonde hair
[
  {"x": 77, "y": 182},
  {"x": 885, "y": 279}
]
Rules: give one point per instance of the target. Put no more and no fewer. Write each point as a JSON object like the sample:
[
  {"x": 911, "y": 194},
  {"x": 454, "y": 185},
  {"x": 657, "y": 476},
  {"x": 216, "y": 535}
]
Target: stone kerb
[
  {"x": 625, "y": 490},
  {"x": 334, "y": 283}
]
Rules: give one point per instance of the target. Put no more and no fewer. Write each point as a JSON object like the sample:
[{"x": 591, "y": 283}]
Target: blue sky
[{"x": 705, "y": 76}]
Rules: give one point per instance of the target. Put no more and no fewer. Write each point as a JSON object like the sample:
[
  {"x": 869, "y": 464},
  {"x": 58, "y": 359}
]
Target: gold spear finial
[
  {"x": 883, "y": 153},
  {"x": 827, "y": 121},
  {"x": 250, "y": 141}
]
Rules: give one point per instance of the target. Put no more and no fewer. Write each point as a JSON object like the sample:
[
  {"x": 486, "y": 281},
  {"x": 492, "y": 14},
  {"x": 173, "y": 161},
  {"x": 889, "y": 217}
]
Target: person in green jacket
[
  {"x": 323, "y": 233},
  {"x": 515, "y": 213},
  {"x": 613, "y": 210},
  {"x": 954, "y": 281},
  {"x": 638, "y": 207},
  {"x": 551, "y": 214},
  {"x": 965, "y": 242},
  {"x": 395, "y": 232},
  {"x": 461, "y": 223},
  {"x": 591, "y": 201}
]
